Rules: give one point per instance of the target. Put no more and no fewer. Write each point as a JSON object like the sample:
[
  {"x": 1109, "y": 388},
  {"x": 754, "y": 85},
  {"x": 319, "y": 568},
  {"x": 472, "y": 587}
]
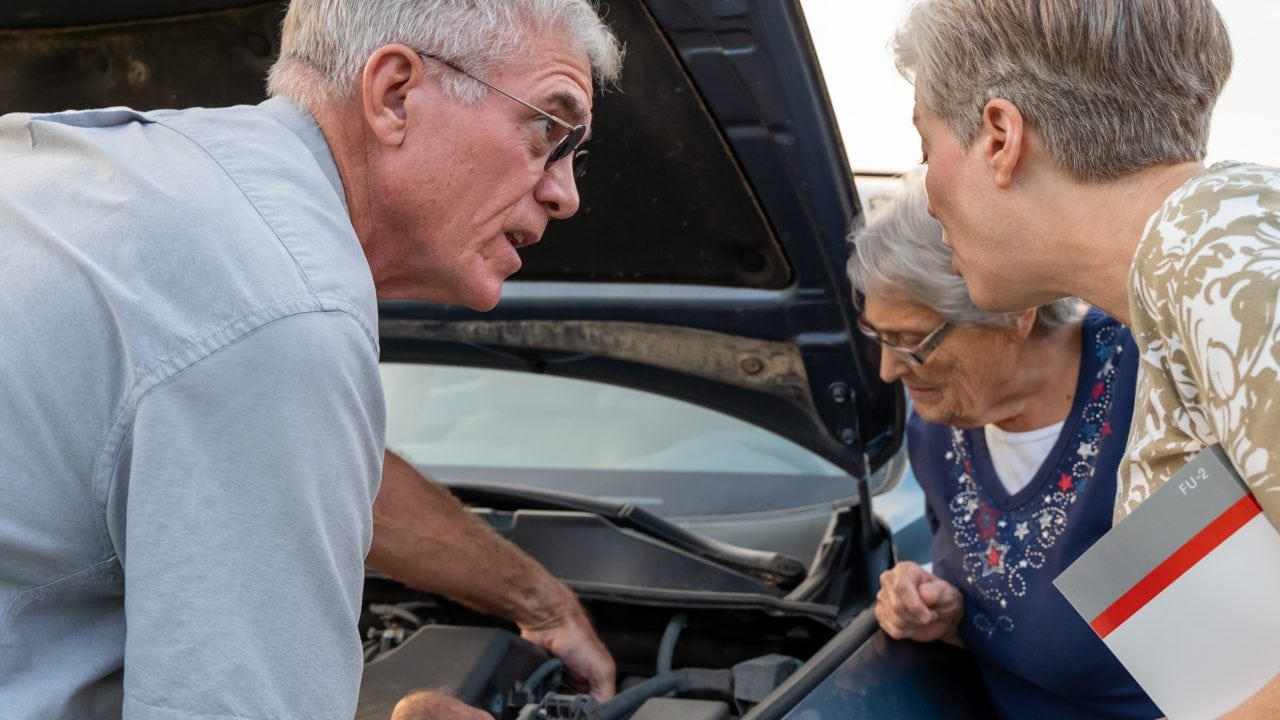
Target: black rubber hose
[
  {"x": 630, "y": 700},
  {"x": 714, "y": 682},
  {"x": 670, "y": 636},
  {"x": 536, "y": 677}
]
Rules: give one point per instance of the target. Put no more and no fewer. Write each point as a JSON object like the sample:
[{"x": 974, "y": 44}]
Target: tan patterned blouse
[{"x": 1203, "y": 294}]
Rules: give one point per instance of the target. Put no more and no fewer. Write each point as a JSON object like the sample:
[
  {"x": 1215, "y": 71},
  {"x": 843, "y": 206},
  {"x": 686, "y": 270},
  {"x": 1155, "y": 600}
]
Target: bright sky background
[{"x": 873, "y": 103}]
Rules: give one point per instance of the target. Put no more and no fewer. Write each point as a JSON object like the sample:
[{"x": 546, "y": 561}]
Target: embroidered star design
[
  {"x": 1086, "y": 450},
  {"x": 1045, "y": 520},
  {"x": 1064, "y": 482},
  {"x": 993, "y": 561},
  {"x": 1021, "y": 531}
]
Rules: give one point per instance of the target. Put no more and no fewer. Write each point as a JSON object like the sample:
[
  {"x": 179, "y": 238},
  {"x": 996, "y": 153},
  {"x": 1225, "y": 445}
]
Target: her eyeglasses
[
  {"x": 914, "y": 356},
  {"x": 562, "y": 149}
]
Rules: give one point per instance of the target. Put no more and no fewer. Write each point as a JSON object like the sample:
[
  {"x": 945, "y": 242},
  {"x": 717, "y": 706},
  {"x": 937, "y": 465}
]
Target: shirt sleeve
[
  {"x": 1223, "y": 356},
  {"x": 248, "y": 481}
]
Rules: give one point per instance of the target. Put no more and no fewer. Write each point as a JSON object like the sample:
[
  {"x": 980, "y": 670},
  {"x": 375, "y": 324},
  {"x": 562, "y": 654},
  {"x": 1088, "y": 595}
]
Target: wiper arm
[{"x": 771, "y": 567}]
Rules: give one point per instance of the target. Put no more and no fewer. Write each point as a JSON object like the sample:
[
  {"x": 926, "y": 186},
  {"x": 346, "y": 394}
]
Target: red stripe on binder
[{"x": 1182, "y": 560}]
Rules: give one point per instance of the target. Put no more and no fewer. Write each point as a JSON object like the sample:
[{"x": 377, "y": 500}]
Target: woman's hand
[{"x": 915, "y": 604}]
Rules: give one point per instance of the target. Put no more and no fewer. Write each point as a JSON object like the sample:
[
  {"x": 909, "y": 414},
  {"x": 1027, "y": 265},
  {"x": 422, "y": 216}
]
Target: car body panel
[
  {"x": 706, "y": 265},
  {"x": 719, "y": 203}
]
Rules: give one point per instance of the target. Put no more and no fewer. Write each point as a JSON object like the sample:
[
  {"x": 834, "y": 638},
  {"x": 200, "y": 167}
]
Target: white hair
[
  {"x": 325, "y": 43},
  {"x": 899, "y": 253}
]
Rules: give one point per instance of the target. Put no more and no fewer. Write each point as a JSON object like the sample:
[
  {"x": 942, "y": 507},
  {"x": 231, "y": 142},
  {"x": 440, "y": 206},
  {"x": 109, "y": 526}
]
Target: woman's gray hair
[
  {"x": 1112, "y": 86},
  {"x": 900, "y": 254},
  {"x": 325, "y": 43}
]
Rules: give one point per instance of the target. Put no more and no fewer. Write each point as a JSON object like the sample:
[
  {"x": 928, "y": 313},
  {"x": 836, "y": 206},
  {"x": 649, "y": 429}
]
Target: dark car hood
[{"x": 706, "y": 261}]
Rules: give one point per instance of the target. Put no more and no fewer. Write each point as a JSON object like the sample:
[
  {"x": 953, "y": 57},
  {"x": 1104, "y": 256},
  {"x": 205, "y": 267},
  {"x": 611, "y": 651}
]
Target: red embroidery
[{"x": 993, "y": 558}]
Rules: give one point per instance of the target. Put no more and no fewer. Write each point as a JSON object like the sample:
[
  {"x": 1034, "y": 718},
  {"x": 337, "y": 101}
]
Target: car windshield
[{"x": 469, "y": 425}]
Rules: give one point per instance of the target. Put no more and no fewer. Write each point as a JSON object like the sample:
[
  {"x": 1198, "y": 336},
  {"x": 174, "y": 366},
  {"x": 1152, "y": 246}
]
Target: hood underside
[{"x": 706, "y": 261}]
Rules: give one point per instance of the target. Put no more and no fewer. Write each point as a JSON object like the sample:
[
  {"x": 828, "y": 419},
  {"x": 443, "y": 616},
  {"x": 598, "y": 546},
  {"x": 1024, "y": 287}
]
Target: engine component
[
  {"x": 667, "y": 708},
  {"x": 555, "y": 706},
  {"x": 478, "y": 665},
  {"x": 667, "y": 647},
  {"x": 754, "y": 679}
]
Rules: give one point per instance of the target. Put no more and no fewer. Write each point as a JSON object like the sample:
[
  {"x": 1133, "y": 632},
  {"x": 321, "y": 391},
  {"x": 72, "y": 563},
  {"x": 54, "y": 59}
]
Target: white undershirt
[{"x": 1018, "y": 455}]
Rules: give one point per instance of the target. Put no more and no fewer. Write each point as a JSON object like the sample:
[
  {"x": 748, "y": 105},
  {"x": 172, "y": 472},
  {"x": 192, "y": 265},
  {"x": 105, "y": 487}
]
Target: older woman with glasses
[{"x": 1018, "y": 426}]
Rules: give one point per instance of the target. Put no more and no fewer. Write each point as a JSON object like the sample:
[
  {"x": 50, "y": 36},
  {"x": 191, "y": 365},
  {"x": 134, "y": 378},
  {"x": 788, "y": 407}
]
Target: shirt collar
[{"x": 300, "y": 123}]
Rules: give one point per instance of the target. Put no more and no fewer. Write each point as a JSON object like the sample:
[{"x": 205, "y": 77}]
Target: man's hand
[
  {"x": 567, "y": 634},
  {"x": 914, "y": 604},
  {"x": 434, "y": 706},
  {"x": 423, "y": 537}
]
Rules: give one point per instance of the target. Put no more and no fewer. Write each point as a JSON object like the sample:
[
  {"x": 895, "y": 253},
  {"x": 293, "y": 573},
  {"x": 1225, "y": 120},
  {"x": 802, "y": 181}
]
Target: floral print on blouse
[{"x": 1203, "y": 297}]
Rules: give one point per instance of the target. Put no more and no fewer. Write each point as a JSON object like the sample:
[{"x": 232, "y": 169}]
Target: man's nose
[{"x": 557, "y": 190}]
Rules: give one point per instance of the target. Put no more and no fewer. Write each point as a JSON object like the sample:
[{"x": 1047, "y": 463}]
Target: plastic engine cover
[
  {"x": 477, "y": 665},
  {"x": 667, "y": 708}
]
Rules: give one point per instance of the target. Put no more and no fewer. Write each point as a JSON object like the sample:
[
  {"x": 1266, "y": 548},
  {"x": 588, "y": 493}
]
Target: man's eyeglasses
[
  {"x": 563, "y": 148},
  {"x": 914, "y": 356}
]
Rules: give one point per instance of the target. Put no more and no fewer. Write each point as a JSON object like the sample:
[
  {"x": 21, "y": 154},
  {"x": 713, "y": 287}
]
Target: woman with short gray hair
[
  {"x": 1082, "y": 127},
  {"x": 1017, "y": 427},
  {"x": 1066, "y": 143}
]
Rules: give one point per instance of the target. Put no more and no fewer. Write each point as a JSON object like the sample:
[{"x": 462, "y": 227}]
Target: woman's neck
[
  {"x": 1045, "y": 384},
  {"x": 1109, "y": 220}
]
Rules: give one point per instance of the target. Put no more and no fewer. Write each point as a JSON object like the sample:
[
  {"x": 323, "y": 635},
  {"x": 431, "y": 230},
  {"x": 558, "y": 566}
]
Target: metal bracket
[
  {"x": 846, "y": 431},
  {"x": 555, "y": 706},
  {"x": 845, "y": 428}
]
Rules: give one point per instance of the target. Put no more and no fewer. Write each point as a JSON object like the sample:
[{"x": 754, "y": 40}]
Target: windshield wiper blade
[{"x": 773, "y": 568}]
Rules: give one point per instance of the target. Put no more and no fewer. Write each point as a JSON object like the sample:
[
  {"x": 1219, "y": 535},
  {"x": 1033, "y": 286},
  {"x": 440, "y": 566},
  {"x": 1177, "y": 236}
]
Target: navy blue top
[{"x": 1039, "y": 658}]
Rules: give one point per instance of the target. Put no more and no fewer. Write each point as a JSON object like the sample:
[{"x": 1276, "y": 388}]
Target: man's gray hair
[
  {"x": 1113, "y": 86},
  {"x": 325, "y": 43},
  {"x": 899, "y": 254}
]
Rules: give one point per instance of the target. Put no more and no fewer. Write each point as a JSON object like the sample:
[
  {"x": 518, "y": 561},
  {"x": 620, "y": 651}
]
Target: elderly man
[
  {"x": 192, "y": 412},
  {"x": 1065, "y": 143}
]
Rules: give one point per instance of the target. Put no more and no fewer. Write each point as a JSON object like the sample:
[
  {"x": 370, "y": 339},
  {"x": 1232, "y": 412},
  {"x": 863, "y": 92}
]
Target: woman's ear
[
  {"x": 1001, "y": 136},
  {"x": 1024, "y": 321}
]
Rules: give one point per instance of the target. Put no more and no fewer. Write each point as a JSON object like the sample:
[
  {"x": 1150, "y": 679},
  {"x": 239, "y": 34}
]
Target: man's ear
[
  {"x": 1001, "y": 136},
  {"x": 390, "y": 73}
]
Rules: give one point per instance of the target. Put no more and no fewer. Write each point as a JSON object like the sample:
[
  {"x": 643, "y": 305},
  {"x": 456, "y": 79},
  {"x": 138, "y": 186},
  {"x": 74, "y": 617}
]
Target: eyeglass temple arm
[{"x": 502, "y": 92}]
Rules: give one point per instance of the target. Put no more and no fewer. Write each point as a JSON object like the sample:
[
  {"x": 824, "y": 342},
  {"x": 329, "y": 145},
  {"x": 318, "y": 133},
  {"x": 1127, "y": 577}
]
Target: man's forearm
[{"x": 425, "y": 538}]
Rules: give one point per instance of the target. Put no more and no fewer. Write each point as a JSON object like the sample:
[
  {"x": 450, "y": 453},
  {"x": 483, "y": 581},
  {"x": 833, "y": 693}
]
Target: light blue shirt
[{"x": 191, "y": 418}]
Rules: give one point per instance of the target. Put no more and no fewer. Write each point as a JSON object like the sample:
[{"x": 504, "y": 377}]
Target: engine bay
[
  {"x": 700, "y": 628},
  {"x": 710, "y": 661}
]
